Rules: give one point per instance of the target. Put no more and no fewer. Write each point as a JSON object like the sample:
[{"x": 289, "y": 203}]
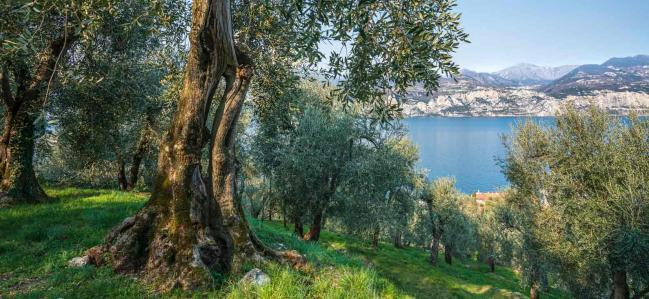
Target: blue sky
[{"x": 551, "y": 32}]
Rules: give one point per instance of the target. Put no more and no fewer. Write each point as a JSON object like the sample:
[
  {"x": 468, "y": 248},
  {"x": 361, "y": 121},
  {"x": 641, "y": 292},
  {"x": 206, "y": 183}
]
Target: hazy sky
[{"x": 551, "y": 32}]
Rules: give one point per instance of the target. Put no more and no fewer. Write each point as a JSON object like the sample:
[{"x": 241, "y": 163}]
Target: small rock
[
  {"x": 79, "y": 261},
  {"x": 256, "y": 277},
  {"x": 280, "y": 246}
]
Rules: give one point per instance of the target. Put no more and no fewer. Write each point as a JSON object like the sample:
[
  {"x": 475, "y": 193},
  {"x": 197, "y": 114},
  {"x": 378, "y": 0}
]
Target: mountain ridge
[{"x": 619, "y": 84}]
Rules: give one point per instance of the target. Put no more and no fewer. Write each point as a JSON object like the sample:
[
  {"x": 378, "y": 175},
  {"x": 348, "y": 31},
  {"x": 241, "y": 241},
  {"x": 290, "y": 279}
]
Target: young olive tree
[
  {"x": 377, "y": 196},
  {"x": 312, "y": 165},
  {"x": 449, "y": 224}
]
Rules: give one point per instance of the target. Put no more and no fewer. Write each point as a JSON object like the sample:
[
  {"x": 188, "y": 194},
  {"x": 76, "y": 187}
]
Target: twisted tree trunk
[
  {"x": 191, "y": 229},
  {"x": 178, "y": 238},
  {"x": 22, "y": 107},
  {"x": 246, "y": 246}
]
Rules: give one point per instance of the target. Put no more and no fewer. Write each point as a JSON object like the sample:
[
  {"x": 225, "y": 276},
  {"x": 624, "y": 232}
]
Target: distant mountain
[
  {"x": 530, "y": 74},
  {"x": 618, "y": 85},
  {"x": 616, "y": 74},
  {"x": 486, "y": 79},
  {"x": 523, "y": 74},
  {"x": 638, "y": 60}
]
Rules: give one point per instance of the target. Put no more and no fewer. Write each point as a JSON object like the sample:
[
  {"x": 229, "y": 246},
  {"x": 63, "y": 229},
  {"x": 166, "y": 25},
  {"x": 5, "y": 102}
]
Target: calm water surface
[{"x": 466, "y": 148}]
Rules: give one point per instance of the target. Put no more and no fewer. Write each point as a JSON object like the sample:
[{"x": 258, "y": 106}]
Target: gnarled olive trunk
[
  {"x": 245, "y": 245},
  {"x": 222, "y": 167},
  {"x": 178, "y": 239},
  {"x": 22, "y": 106},
  {"x": 19, "y": 182}
]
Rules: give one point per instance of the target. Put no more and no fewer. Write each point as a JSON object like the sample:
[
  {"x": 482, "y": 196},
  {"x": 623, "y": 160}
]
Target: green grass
[{"x": 36, "y": 241}]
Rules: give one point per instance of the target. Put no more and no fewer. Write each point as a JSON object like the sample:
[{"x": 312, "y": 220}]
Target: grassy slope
[{"x": 37, "y": 241}]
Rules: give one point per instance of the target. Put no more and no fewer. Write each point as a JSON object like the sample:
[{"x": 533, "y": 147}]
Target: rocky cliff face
[
  {"x": 618, "y": 86},
  {"x": 521, "y": 102}
]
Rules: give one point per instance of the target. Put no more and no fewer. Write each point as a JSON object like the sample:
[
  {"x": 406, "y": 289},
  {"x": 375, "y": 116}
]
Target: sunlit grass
[{"x": 36, "y": 242}]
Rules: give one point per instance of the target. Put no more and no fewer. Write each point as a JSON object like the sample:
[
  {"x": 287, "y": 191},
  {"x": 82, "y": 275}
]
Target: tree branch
[{"x": 47, "y": 66}]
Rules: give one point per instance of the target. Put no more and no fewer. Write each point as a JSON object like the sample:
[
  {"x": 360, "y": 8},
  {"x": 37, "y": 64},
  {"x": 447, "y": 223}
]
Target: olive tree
[
  {"x": 112, "y": 103},
  {"x": 449, "y": 224},
  {"x": 589, "y": 174},
  {"x": 377, "y": 196},
  {"x": 192, "y": 227},
  {"x": 35, "y": 37}
]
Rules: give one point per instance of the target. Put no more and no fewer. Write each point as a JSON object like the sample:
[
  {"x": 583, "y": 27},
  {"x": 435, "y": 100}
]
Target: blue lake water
[{"x": 466, "y": 148}]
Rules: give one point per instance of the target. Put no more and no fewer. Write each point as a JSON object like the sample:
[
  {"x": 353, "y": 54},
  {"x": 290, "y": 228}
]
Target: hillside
[
  {"x": 629, "y": 74},
  {"x": 617, "y": 85},
  {"x": 36, "y": 243}
]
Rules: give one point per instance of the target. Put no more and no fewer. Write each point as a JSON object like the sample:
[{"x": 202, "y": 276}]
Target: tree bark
[
  {"x": 121, "y": 174},
  {"x": 19, "y": 184},
  {"x": 434, "y": 251},
  {"x": 178, "y": 238},
  {"x": 299, "y": 228},
  {"x": 448, "y": 254},
  {"x": 620, "y": 285},
  {"x": 316, "y": 227},
  {"x": 246, "y": 246}
]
